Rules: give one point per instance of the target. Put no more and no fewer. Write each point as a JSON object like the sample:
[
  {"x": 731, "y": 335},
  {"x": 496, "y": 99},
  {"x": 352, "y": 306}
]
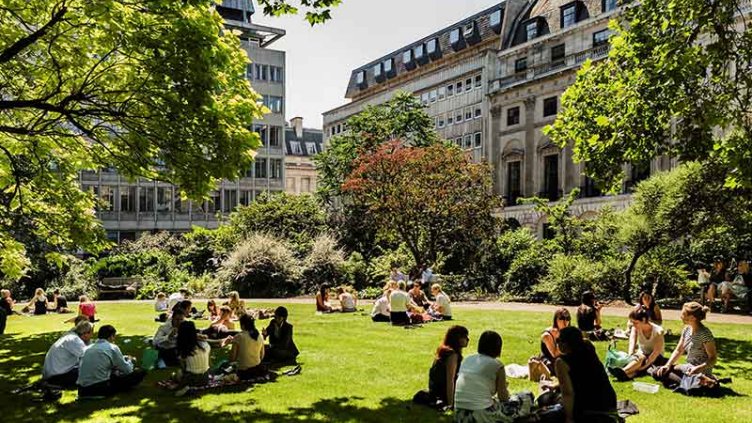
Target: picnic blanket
[{"x": 227, "y": 380}]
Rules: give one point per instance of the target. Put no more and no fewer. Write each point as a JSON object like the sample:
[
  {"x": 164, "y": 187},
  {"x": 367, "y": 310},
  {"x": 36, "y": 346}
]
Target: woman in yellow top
[{"x": 248, "y": 350}]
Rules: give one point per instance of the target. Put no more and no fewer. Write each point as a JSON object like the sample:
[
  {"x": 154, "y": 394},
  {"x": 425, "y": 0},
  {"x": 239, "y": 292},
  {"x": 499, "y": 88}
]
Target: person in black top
[
  {"x": 549, "y": 349},
  {"x": 281, "y": 348},
  {"x": 589, "y": 313},
  {"x": 586, "y": 392},
  {"x": 442, "y": 376},
  {"x": 59, "y": 303},
  {"x": 6, "y": 309}
]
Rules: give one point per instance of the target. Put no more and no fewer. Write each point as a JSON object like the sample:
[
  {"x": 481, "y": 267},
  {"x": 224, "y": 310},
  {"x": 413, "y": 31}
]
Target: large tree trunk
[{"x": 627, "y": 288}]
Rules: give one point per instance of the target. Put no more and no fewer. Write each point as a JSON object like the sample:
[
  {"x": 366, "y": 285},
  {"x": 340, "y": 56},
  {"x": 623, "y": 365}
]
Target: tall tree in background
[
  {"x": 677, "y": 82},
  {"x": 155, "y": 89}
]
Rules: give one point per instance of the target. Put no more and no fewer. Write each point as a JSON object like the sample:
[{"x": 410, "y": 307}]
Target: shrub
[
  {"x": 661, "y": 269},
  {"x": 324, "y": 264},
  {"x": 260, "y": 266},
  {"x": 570, "y": 275},
  {"x": 355, "y": 269},
  {"x": 205, "y": 248},
  {"x": 77, "y": 280},
  {"x": 381, "y": 266},
  {"x": 527, "y": 269},
  {"x": 162, "y": 241},
  {"x": 509, "y": 245},
  {"x": 370, "y": 293}
]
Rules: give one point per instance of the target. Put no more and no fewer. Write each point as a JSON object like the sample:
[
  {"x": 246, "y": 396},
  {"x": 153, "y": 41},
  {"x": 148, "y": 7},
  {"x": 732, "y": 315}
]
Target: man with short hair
[
  {"x": 166, "y": 338},
  {"x": 104, "y": 371},
  {"x": 62, "y": 360}
]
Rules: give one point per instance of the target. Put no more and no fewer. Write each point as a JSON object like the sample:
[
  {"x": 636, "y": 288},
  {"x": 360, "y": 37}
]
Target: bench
[{"x": 118, "y": 287}]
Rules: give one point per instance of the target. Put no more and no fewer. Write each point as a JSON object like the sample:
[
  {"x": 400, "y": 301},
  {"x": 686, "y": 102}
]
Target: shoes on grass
[{"x": 618, "y": 373}]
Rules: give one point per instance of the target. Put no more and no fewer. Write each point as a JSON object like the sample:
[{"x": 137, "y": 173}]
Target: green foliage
[
  {"x": 371, "y": 292},
  {"x": 316, "y": 11},
  {"x": 356, "y": 270},
  {"x": 381, "y": 266},
  {"x": 77, "y": 279},
  {"x": 565, "y": 226},
  {"x": 324, "y": 264},
  {"x": 527, "y": 268},
  {"x": 570, "y": 275},
  {"x": 677, "y": 71},
  {"x": 260, "y": 266},
  {"x": 205, "y": 248},
  {"x": 298, "y": 219},
  {"x": 662, "y": 270}
]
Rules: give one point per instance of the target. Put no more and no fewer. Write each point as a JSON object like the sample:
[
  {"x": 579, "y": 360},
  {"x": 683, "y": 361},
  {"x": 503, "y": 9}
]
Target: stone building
[
  {"x": 301, "y": 144},
  {"x": 131, "y": 208}
]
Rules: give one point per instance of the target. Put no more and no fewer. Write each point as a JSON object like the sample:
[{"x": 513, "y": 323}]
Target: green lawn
[{"x": 353, "y": 370}]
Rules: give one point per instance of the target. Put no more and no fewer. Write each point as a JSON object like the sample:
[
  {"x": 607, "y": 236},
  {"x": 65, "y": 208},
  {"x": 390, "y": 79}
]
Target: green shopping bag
[
  {"x": 149, "y": 359},
  {"x": 616, "y": 358}
]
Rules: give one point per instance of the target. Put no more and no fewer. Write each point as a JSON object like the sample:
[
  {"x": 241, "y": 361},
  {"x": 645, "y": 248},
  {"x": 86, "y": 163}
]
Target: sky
[{"x": 320, "y": 59}]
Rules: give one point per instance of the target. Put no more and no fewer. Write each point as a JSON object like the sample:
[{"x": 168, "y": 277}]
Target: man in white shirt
[
  {"x": 62, "y": 360},
  {"x": 166, "y": 339}
]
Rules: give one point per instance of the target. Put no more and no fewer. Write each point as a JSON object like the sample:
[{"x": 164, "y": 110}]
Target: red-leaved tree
[{"x": 434, "y": 199}]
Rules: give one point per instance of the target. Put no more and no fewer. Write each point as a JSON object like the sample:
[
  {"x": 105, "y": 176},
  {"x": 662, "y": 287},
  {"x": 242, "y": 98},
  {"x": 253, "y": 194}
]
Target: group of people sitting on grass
[
  {"x": 476, "y": 386},
  {"x": 40, "y": 304},
  {"x": 402, "y": 304},
  {"x": 731, "y": 281},
  {"x": 347, "y": 298}
]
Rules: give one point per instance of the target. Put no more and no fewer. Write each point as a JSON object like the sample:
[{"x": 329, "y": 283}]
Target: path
[{"x": 619, "y": 311}]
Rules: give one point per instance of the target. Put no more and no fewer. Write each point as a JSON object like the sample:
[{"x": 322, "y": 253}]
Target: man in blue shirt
[{"x": 104, "y": 371}]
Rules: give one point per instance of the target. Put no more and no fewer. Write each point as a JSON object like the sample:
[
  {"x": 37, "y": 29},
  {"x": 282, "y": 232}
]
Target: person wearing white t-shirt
[
  {"x": 62, "y": 360},
  {"x": 380, "y": 312},
  {"x": 398, "y": 301},
  {"x": 646, "y": 346},
  {"x": 481, "y": 393},
  {"x": 347, "y": 300},
  {"x": 441, "y": 308}
]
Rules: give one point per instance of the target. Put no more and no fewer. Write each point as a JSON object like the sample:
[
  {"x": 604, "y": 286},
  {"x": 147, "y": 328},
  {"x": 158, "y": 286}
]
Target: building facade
[
  {"x": 301, "y": 144},
  {"x": 131, "y": 208}
]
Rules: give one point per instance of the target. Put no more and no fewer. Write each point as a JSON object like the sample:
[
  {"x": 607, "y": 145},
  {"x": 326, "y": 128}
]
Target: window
[
  {"x": 640, "y": 172},
  {"x": 420, "y": 53},
  {"x": 310, "y": 148},
  {"x": 339, "y": 128},
  {"x": 456, "y": 39},
  {"x": 608, "y": 5},
  {"x": 261, "y": 130},
  {"x": 164, "y": 199},
  {"x": 146, "y": 199},
  {"x": 276, "y": 74},
  {"x": 436, "y": 122},
  {"x": 514, "y": 189},
  {"x": 295, "y": 148},
  {"x": 275, "y": 136},
  {"x": 212, "y": 205},
  {"x": 458, "y": 116},
  {"x": 107, "y": 198},
  {"x": 260, "y": 165},
  {"x": 179, "y": 205},
  {"x": 557, "y": 54},
  {"x": 520, "y": 65},
  {"x": 478, "y": 112},
  {"x": 262, "y": 72},
  {"x": 433, "y": 49},
  {"x": 468, "y": 141},
  {"x": 601, "y": 37},
  {"x": 273, "y": 103},
  {"x": 513, "y": 116},
  {"x": 408, "y": 59},
  {"x": 246, "y": 197},
  {"x": 551, "y": 177},
  {"x": 127, "y": 199},
  {"x": 531, "y": 29},
  {"x": 478, "y": 81},
  {"x": 424, "y": 98},
  {"x": 231, "y": 200},
  {"x": 450, "y": 119},
  {"x": 276, "y": 165},
  {"x": 442, "y": 122},
  {"x": 468, "y": 84},
  {"x": 442, "y": 93},
  {"x": 432, "y": 95},
  {"x": 468, "y": 113},
  {"x": 550, "y": 106},
  {"x": 569, "y": 15},
  {"x": 389, "y": 67},
  {"x": 378, "y": 72},
  {"x": 458, "y": 141},
  {"x": 450, "y": 90},
  {"x": 494, "y": 21},
  {"x": 459, "y": 87},
  {"x": 360, "y": 79},
  {"x": 478, "y": 137},
  {"x": 249, "y": 71}
]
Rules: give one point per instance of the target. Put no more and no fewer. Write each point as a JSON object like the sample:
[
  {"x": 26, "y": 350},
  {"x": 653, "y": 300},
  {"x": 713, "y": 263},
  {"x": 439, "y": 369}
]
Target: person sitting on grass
[
  {"x": 61, "y": 362},
  {"x": 161, "y": 305},
  {"x": 589, "y": 317},
  {"x": 322, "y": 300},
  {"x": 586, "y": 392},
  {"x": 380, "y": 312},
  {"x": 442, "y": 376},
  {"x": 247, "y": 350},
  {"x": 646, "y": 345},
  {"x": 441, "y": 307},
  {"x": 697, "y": 342},
  {"x": 548, "y": 346},
  {"x": 398, "y": 303},
  {"x": 6, "y": 308},
  {"x": 236, "y": 304},
  {"x": 194, "y": 357},
  {"x": 222, "y": 326},
  {"x": 104, "y": 371},
  {"x": 39, "y": 302},
  {"x": 347, "y": 300},
  {"x": 59, "y": 303},
  {"x": 87, "y": 308},
  {"x": 654, "y": 312},
  {"x": 417, "y": 296},
  {"x": 213, "y": 310},
  {"x": 281, "y": 348},
  {"x": 166, "y": 338},
  {"x": 482, "y": 394},
  {"x": 736, "y": 286}
]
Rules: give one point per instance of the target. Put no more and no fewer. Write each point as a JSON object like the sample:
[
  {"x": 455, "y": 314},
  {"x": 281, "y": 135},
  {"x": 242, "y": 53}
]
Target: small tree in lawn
[{"x": 434, "y": 199}]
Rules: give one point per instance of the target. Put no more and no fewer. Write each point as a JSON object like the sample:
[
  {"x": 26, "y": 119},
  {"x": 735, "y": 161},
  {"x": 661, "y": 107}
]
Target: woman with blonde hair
[
  {"x": 39, "y": 302},
  {"x": 697, "y": 342},
  {"x": 236, "y": 305},
  {"x": 441, "y": 307}
]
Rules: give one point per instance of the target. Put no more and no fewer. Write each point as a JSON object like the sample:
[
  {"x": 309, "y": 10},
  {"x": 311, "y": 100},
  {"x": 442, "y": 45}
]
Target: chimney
[{"x": 297, "y": 124}]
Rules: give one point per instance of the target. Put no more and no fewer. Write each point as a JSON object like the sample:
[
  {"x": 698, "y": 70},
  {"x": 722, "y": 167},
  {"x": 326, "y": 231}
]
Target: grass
[{"x": 353, "y": 370}]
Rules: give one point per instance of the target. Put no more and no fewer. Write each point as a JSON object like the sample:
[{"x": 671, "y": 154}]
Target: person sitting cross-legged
[
  {"x": 247, "y": 349},
  {"x": 381, "y": 311},
  {"x": 281, "y": 348},
  {"x": 166, "y": 338},
  {"x": 104, "y": 371},
  {"x": 646, "y": 345},
  {"x": 62, "y": 360},
  {"x": 441, "y": 308},
  {"x": 194, "y": 356},
  {"x": 347, "y": 300},
  {"x": 398, "y": 303},
  {"x": 442, "y": 377}
]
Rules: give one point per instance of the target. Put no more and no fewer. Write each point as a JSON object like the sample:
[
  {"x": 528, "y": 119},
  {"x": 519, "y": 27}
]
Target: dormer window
[
  {"x": 360, "y": 79},
  {"x": 408, "y": 59},
  {"x": 494, "y": 21},
  {"x": 389, "y": 69},
  {"x": 568, "y": 15},
  {"x": 378, "y": 72},
  {"x": 471, "y": 33},
  {"x": 456, "y": 39},
  {"x": 531, "y": 29},
  {"x": 420, "y": 54},
  {"x": 433, "y": 49}
]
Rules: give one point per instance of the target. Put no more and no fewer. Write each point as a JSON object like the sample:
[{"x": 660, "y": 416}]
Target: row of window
[
  {"x": 571, "y": 13},
  {"x": 470, "y": 141},
  {"x": 550, "y": 108},
  {"x": 449, "y": 91},
  {"x": 458, "y": 116},
  {"x": 296, "y": 148},
  {"x": 338, "y": 128},
  {"x": 271, "y": 136},
  {"x": 273, "y": 103},
  {"x": 261, "y": 170},
  {"x": 260, "y": 72},
  {"x": 558, "y": 52}
]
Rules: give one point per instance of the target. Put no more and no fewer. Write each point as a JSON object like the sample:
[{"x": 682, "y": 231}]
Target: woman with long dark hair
[
  {"x": 194, "y": 358},
  {"x": 248, "y": 349},
  {"x": 549, "y": 349},
  {"x": 442, "y": 376},
  {"x": 322, "y": 299},
  {"x": 586, "y": 392},
  {"x": 647, "y": 300},
  {"x": 646, "y": 344}
]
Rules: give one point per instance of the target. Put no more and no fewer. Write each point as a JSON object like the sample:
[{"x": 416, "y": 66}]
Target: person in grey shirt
[
  {"x": 104, "y": 371},
  {"x": 62, "y": 360}
]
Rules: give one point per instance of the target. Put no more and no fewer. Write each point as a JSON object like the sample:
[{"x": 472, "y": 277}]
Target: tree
[
  {"x": 565, "y": 226},
  {"x": 434, "y": 199},
  {"x": 677, "y": 82},
  {"x": 154, "y": 89}
]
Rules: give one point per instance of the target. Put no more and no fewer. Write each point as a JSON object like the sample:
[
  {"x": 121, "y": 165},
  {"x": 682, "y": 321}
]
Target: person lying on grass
[
  {"x": 646, "y": 345},
  {"x": 281, "y": 348}
]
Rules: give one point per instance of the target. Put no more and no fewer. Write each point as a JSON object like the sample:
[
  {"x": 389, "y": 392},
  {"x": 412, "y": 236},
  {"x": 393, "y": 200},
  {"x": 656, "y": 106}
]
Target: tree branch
[{"x": 17, "y": 47}]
